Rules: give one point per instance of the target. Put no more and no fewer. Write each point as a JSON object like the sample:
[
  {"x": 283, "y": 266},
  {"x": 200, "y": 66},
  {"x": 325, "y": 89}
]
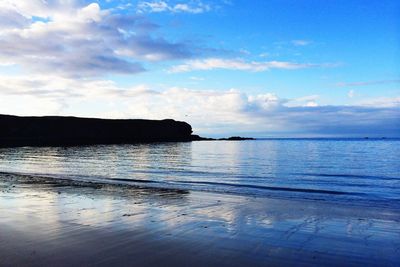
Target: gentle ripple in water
[{"x": 353, "y": 169}]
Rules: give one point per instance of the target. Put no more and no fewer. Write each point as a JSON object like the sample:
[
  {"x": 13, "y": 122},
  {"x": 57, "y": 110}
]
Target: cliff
[{"x": 60, "y": 131}]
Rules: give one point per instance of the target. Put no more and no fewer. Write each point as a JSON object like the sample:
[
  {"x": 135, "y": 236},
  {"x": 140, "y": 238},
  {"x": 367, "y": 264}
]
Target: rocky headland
[{"x": 67, "y": 131}]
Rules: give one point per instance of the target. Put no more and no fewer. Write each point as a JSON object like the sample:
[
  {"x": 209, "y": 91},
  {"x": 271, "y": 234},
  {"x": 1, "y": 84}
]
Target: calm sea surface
[{"x": 351, "y": 171}]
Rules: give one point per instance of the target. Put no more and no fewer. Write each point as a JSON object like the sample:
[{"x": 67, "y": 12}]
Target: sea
[{"x": 345, "y": 171}]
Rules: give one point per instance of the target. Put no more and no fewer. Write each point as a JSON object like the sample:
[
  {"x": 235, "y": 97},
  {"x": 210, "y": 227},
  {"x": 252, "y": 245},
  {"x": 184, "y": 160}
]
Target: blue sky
[{"x": 260, "y": 68}]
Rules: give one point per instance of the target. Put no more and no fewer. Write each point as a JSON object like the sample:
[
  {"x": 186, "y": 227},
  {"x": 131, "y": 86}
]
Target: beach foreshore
[{"x": 45, "y": 222}]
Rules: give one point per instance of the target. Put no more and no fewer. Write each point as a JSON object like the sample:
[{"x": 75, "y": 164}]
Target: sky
[{"x": 271, "y": 68}]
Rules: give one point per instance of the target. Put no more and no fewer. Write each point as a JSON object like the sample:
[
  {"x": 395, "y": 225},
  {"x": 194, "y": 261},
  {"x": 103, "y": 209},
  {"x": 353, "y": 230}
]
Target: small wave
[
  {"x": 198, "y": 174},
  {"x": 348, "y": 176},
  {"x": 274, "y": 188},
  {"x": 131, "y": 180},
  {"x": 56, "y": 181},
  {"x": 174, "y": 183}
]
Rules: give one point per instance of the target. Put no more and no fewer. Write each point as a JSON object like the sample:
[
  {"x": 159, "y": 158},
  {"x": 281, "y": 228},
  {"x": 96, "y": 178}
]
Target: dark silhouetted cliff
[{"x": 59, "y": 131}]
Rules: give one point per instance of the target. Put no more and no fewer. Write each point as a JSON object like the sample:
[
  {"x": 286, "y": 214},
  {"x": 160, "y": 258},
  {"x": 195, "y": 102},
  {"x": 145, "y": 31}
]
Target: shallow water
[
  {"x": 52, "y": 224},
  {"x": 357, "y": 171}
]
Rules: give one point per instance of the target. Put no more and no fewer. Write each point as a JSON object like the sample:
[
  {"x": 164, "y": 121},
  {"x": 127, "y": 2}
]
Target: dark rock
[
  {"x": 199, "y": 138},
  {"x": 66, "y": 131},
  {"x": 232, "y": 138},
  {"x": 237, "y": 138}
]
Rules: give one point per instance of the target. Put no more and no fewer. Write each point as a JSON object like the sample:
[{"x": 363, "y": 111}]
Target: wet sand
[{"x": 54, "y": 223}]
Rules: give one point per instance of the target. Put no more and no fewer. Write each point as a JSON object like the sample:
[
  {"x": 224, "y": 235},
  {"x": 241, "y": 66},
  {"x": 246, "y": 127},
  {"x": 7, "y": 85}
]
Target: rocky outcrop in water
[
  {"x": 62, "y": 131},
  {"x": 236, "y": 138}
]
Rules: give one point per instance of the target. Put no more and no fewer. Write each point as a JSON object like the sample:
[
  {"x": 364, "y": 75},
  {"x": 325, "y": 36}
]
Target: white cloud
[
  {"x": 311, "y": 104},
  {"x": 351, "y": 94},
  {"x": 300, "y": 42},
  {"x": 196, "y": 7},
  {"x": 366, "y": 83},
  {"x": 159, "y": 6},
  {"x": 90, "y": 13},
  {"x": 237, "y": 64},
  {"x": 195, "y": 78},
  {"x": 305, "y": 101},
  {"x": 70, "y": 39},
  {"x": 200, "y": 8},
  {"x": 382, "y": 102}
]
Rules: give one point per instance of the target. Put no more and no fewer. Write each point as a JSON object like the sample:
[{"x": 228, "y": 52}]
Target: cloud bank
[
  {"x": 210, "y": 112},
  {"x": 239, "y": 64}
]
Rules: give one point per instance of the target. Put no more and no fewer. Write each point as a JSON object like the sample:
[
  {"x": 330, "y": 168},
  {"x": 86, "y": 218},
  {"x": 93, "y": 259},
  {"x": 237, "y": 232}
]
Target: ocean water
[{"x": 355, "y": 171}]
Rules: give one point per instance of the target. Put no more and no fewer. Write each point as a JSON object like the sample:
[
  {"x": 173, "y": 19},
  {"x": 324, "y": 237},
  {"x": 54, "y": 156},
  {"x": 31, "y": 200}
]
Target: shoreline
[
  {"x": 46, "y": 223},
  {"x": 116, "y": 185}
]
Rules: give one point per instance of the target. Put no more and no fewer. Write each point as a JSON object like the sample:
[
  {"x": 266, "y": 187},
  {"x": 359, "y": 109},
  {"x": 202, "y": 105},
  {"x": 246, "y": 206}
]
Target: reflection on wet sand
[{"x": 55, "y": 223}]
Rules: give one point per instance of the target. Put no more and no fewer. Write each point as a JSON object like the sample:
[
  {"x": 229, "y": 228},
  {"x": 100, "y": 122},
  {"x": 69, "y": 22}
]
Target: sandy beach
[{"x": 46, "y": 222}]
